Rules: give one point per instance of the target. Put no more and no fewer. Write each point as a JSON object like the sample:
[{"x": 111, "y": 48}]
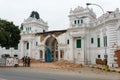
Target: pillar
[
  {"x": 59, "y": 54},
  {"x": 43, "y": 57},
  {"x": 22, "y": 50},
  {"x": 83, "y": 50},
  {"x": 30, "y": 50},
  {"x": 72, "y": 54}
]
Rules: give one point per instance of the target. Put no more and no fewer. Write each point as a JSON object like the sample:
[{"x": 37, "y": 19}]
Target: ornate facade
[{"x": 87, "y": 40}]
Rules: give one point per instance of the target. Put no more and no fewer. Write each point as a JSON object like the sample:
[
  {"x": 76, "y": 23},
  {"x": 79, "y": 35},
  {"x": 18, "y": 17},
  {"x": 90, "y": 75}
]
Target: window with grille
[
  {"x": 105, "y": 41},
  {"x": 27, "y": 45},
  {"x": 92, "y": 40},
  {"x": 78, "y": 43},
  {"x": 98, "y": 42}
]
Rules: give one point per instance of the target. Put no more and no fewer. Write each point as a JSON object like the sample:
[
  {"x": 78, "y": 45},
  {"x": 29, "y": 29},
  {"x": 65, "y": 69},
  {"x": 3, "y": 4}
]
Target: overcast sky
[{"x": 55, "y": 12}]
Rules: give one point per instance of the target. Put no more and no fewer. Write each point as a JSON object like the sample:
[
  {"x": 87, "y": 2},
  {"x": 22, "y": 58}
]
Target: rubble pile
[
  {"x": 36, "y": 61},
  {"x": 67, "y": 64},
  {"x": 19, "y": 61},
  {"x": 62, "y": 64}
]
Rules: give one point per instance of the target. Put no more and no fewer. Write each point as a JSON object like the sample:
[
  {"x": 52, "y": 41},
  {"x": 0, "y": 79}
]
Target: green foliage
[{"x": 9, "y": 34}]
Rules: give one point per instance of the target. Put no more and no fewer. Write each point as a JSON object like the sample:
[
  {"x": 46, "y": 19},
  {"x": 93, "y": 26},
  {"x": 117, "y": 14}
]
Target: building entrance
[{"x": 51, "y": 49}]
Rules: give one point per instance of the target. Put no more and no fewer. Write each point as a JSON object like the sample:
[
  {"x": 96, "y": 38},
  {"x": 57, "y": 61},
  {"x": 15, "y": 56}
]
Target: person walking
[
  {"x": 23, "y": 60},
  {"x": 28, "y": 63}
]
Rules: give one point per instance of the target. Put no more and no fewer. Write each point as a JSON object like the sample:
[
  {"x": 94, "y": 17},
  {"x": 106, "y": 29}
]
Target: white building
[{"x": 86, "y": 40}]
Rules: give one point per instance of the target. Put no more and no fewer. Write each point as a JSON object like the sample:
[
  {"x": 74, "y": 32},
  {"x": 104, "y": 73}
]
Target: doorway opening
[{"x": 51, "y": 51}]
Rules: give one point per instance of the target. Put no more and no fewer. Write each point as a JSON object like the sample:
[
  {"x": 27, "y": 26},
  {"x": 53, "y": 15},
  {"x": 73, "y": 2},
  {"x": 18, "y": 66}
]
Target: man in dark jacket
[{"x": 28, "y": 61}]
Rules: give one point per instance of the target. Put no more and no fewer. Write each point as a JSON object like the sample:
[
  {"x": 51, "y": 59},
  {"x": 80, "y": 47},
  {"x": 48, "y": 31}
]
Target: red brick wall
[{"x": 118, "y": 57}]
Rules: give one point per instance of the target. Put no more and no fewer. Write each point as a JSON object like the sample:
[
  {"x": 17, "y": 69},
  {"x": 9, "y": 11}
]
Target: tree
[{"x": 9, "y": 34}]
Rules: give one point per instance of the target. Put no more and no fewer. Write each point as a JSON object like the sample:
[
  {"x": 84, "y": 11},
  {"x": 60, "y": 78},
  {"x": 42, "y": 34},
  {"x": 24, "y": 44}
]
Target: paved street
[{"x": 32, "y": 73}]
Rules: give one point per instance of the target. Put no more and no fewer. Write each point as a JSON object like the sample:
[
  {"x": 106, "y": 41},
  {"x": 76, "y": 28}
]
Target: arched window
[
  {"x": 27, "y": 45},
  {"x": 81, "y": 21},
  {"x": 78, "y": 21},
  {"x": 41, "y": 53},
  {"x": 98, "y": 42},
  {"x": 105, "y": 40},
  {"x": 75, "y": 22}
]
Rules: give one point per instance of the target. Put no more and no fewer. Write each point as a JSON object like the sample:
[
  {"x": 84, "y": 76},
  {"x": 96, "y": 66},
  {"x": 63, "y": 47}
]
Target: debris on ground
[
  {"x": 36, "y": 61},
  {"x": 62, "y": 64},
  {"x": 67, "y": 64}
]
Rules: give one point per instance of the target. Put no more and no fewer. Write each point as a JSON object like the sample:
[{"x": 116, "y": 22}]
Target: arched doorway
[
  {"x": 41, "y": 54},
  {"x": 51, "y": 50}
]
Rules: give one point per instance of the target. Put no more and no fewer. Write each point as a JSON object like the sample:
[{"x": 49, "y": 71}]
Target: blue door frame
[{"x": 48, "y": 55}]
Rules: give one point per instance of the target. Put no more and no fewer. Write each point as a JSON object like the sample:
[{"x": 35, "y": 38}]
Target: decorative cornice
[
  {"x": 80, "y": 10},
  {"x": 51, "y": 33},
  {"x": 34, "y": 20}
]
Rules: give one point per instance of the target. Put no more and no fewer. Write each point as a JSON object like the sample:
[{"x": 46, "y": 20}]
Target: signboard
[{"x": 11, "y": 61}]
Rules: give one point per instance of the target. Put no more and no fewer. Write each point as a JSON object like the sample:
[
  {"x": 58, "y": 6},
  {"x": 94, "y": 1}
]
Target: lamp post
[
  {"x": 105, "y": 56},
  {"x": 96, "y": 5}
]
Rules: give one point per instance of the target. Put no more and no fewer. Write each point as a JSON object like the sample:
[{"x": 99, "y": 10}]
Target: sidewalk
[
  {"x": 102, "y": 67},
  {"x": 85, "y": 71},
  {"x": 67, "y": 65}
]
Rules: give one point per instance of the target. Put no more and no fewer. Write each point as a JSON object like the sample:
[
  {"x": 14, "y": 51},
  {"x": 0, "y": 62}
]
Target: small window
[
  {"x": 81, "y": 21},
  {"x": 98, "y": 42},
  {"x": 92, "y": 40},
  {"x": 5, "y": 56},
  {"x": 78, "y": 22},
  {"x": 105, "y": 56},
  {"x": 16, "y": 55},
  {"x": 30, "y": 28},
  {"x": 105, "y": 41},
  {"x": 61, "y": 55},
  {"x": 27, "y": 45},
  {"x": 99, "y": 56},
  {"x": 41, "y": 55},
  {"x": 36, "y": 43},
  {"x": 43, "y": 31},
  {"x": 78, "y": 43},
  {"x": 68, "y": 41},
  {"x": 75, "y": 22}
]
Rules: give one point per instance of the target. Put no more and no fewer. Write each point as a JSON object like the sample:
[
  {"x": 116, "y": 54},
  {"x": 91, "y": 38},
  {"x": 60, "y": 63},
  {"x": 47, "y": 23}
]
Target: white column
[
  {"x": 22, "y": 49},
  {"x": 63, "y": 53},
  {"x": 59, "y": 54},
  {"x": 30, "y": 50},
  {"x": 72, "y": 55},
  {"x": 112, "y": 39},
  {"x": 83, "y": 50},
  {"x": 43, "y": 57}
]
